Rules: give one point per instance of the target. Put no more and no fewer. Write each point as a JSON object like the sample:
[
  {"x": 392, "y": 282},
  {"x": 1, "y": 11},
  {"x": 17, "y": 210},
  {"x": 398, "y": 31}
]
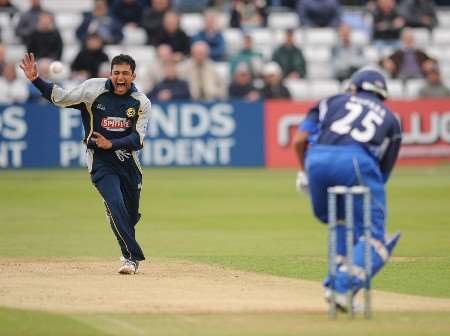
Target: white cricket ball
[{"x": 56, "y": 67}]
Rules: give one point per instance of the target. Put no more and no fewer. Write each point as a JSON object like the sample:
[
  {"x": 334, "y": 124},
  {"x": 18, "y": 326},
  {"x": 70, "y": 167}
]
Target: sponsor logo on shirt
[{"x": 116, "y": 124}]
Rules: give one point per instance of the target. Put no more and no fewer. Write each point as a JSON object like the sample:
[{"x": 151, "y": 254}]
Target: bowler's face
[{"x": 122, "y": 77}]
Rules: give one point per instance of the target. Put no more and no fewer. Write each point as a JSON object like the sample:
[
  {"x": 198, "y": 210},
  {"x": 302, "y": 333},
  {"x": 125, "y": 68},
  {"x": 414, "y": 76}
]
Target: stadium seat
[
  {"x": 316, "y": 53},
  {"x": 223, "y": 69},
  {"x": 319, "y": 70},
  {"x": 134, "y": 36},
  {"x": 113, "y": 50},
  {"x": 283, "y": 20},
  {"x": 71, "y": 6},
  {"x": 360, "y": 38},
  {"x": 66, "y": 21},
  {"x": 69, "y": 53},
  {"x": 395, "y": 88},
  {"x": 263, "y": 41},
  {"x": 443, "y": 17},
  {"x": 298, "y": 88},
  {"x": 441, "y": 36},
  {"x": 15, "y": 52},
  {"x": 192, "y": 23},
  {"x": 321, "y": 88},
  {"x": 412, "y": 87},
  {"x": 320, "y": 36},
  {"x": 421, "y": 36},
  {"x": 371, "y": 54},
  {"x": 68, "y": 36},
  {"x": 233, "y": 40}
]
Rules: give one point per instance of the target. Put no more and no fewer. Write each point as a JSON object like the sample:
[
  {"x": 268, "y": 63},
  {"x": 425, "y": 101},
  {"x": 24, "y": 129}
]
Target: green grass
[{"x": 248, "y": 219}]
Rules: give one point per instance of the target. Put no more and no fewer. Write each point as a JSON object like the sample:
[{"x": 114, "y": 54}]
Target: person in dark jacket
[
  {"x": 172, "y": 35},
  {"x": 419, "y": 13},
  {"x": 99, "y": 22},
  {"x": 46, "y": 40},
  {"x": 171, "y": 87},
  {"x": 212, "y": 36},
  {"x": 28, "y": 21},
  {"x": 387, "y": 24},
  {"x": 242, "y": 86},
  {"x": 152, "y": 18},
  {"x": 127, "y": 11},
  {"x": 290, "y": 58},
  {"x": 319, "y": 13},
  {"x": 88, "y": 61}
]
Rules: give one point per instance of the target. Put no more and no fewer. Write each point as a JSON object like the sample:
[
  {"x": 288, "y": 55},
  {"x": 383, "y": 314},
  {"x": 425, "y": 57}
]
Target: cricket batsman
[
  {"x": 115, "y": 117},
  {"x": 351, "y": 139}
]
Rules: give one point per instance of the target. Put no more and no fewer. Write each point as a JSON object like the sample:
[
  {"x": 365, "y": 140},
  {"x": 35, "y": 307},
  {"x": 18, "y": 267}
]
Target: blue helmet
[{"x": 369, "y": 80}]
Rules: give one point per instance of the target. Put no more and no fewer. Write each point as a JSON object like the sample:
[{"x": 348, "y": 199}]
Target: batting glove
[{"x": 302, "y": 183}]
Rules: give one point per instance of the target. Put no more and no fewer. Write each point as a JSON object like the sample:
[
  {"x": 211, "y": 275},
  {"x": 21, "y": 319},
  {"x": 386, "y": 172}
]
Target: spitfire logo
[
  {"x": 116, "y": 124},
  {"x": 131, "y": 112}
]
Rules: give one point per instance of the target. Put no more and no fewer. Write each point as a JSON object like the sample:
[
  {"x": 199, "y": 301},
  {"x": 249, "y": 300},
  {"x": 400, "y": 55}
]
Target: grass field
[{"x": 246, "y": 219}]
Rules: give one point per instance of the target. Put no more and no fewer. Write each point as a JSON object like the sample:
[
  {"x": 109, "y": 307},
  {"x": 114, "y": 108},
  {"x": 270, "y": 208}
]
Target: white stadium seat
[
  {"x": 134, "y": 36},
  {"x": 395, "y": 88},
  {"x": 320, "y": 88},
  {"x": 192, "y": 23},
  {"x": 320, "y": 36},
  {"x": 443, "y": 17},
  {"x": 360, "y": 38},
  {"x": 412, "y": 87},
  {"x": 66, "y": 21},
  {"x": 15, "y": 52},
  {"x": 441, "y": 36},
  {"x": 371, "y": 54},
  {"x": 69, "y": 53},
  {"x": 421, "y": 37},
  {"x": 72, "y": 6},
  {"x": 298, "y": 88},
  {"x": 224, "y": 71},
  {"x": 319, "y": 70},
  {"x": 317, "y": 54},
  {"x": 283, "y": 20},
  {"x": 233, "y": 40}
]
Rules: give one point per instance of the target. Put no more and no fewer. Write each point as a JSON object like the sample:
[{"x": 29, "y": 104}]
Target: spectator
[
  {"x": 7, "y": 7},
  {"x": 319, "y": 13},
  {"x": 173, "y": 35},
  {"x": 407, "y": 62},
  {"x": 387, "y": 24},
  {"x": 152, "y": 18},
  {"x": 46, "y": 40},
  {"x": 153, "y": 73},
  {"x": 242, "y": 86},
  {"x": 434, "y": 86},
  {"x": 273, "y": 86},
  {"x": 200, "y": 72},
  {"x": 127, "y": 12},
  {"x": 99, "y": 22},
  {"x": 248, "y": 14},
  {"x": 88, "y": 61},
  {"x": 418, "y": 13},
  {"x": 28, "y": 21},
  {"x": 2, "y": 57},
  {"x": 171, "y": 87},
  {"x": 212, "y": 36},
  {"x": 346, "y": 58},
  {"x": 13, "y": 90},
  {"x": 290, "y": 58},
  {"x": 247, "y": 55}
]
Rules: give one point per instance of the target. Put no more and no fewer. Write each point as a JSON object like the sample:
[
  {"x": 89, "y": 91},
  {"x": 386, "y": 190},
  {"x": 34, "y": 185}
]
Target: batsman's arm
[
  {"x": 300, "y": 146},
  {"x": 391, "y": 154}
]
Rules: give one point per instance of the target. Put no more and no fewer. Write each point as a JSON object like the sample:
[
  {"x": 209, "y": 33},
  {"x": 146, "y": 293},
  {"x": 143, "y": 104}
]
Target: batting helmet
[{"x": 369, "y": 80}]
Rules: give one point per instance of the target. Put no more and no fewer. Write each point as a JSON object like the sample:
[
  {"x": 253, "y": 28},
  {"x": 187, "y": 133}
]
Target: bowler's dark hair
[{"x": 124, "y": 59}]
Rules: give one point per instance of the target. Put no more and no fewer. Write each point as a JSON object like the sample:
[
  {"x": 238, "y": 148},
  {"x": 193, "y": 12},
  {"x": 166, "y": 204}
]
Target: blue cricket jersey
[{"x": 356, "y": 119}]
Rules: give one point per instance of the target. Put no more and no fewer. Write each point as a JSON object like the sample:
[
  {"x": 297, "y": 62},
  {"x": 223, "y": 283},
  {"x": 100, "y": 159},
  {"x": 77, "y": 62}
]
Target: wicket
[{"x": 348, "y": 193}]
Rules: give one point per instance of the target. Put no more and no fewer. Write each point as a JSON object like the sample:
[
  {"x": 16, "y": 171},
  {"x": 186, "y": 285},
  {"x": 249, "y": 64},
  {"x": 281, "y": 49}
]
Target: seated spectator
[
  {"x": 418, "y": 13},
  {"x": 172, "y": 34},
  {"x": 88, "y": 61},
  {"x": 200, "y": 72},
  {"x": 212, "y": 36},
  {"x": 407, "y": 62},
  {"x": 273, "y": 85},
  {"x": 7, "y": 7},
  {"x": 46, "y": 40},
  {"x": 319, "y": 13},
  {"x": 28, "y": 21},
  {"x": 346, "y": 58},
  {"x": 247, "y": 55},
  {"x": 171, "y": 87},
  {"x": 127, "y": 12},
  {"x": 2, "y": 57},
  {"x": 387, "y": 24},
  {"x": 152, "y": 18},
  {"x": 13, "y": 90},
  {"x": 247, "y": 14},
  {"x": 434, "y": 86},
  {"x": 290, "y": 58},
  {"x": 153, "y": 72},
  {"x": 99, "y": 22},
  {"x": 242, "y": 86}
]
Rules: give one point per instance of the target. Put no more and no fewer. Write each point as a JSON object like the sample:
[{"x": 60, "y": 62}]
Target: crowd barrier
[{"x": 217, "y": 134}]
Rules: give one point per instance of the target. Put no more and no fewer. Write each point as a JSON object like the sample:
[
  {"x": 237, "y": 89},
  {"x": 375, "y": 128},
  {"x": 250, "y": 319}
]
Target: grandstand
[{"x": 316, "y": 44}]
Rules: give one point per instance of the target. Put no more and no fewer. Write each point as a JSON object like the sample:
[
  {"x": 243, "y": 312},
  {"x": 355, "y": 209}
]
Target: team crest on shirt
[{"x": 131, "y": 112}]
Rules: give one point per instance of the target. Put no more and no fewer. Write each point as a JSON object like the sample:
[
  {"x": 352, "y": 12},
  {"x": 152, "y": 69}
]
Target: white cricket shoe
[
  {"x": 341, "y": 302},
  {"x": 129, "y": 267}
]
